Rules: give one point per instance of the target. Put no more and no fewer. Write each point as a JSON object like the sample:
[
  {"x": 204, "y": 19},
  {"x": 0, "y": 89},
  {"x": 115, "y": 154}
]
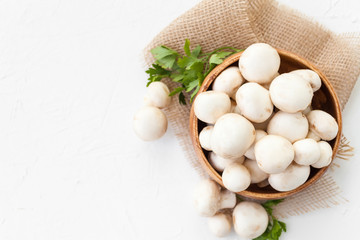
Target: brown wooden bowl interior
[{"x": 325, "y": 98}]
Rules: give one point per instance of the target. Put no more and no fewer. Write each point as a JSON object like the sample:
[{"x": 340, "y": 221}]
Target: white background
[{"x": 71, "y": 78}]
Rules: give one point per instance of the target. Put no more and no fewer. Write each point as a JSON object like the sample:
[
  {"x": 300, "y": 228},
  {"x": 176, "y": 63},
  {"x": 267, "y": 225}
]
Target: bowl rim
[{"x": 214, "y": 174}]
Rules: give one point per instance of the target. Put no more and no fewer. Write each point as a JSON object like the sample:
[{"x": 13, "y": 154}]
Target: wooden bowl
[{"x": 325, "y": 99}]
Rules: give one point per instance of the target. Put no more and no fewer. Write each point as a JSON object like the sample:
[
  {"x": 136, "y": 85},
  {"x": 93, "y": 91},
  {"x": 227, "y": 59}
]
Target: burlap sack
[{"x": 239, "y": 23}]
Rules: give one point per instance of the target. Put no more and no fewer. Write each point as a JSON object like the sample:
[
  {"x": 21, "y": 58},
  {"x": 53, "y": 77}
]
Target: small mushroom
[
  {"x": 259, "y": 134},
  {"x": 310, "y": 76},
  {"x": 211, "y": 105},
  {"x": 290, "y": 93},
  {"x": 157, "y": 95},
  {"x": 236, "y": 177},
  {"x": 323, "y": 124},
  {"x": 293, "y": 177},
  {"x": 232, "y": 136},
  {"x": 250, "y": 219},
  {"x": 259, "y": 63},
  {"x": 256, "y": 174},
  {"x": 228, "y": 81},
  {"x": 292, "y": 126},
  {"x": 254, "y": 102},
  {"x": 150, "y": 123},
  {"x": 208, "y": 198},
  {"x": 273, "y": 153},
  {"x": 307, "y": 151},
  {"x": 325, "y": 155},
  {"x": 313, "y": 135},
  {"x": 205, "y": 136},
  {"x": 220, "y": 163},
  {"x": 220, "y": 224}
]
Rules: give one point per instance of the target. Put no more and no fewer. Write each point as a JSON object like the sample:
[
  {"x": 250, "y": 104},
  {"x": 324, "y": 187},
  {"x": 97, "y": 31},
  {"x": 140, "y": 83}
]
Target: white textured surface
[{"x": 71, "y": 167}]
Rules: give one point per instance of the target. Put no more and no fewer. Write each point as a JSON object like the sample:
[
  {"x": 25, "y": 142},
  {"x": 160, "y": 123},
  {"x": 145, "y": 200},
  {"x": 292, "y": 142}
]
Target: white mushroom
[
  {"x": 208, "y": 199},
  {"x": 150, "y": 123},
  {"x": 323, "y": 124},
  {"x": 211, "y": 105},
  {"x": 220, "y": 224},
  {"x": 250, "y": 219},
  {"x": 234, "y": 108},
  {"x": 228, "y": 81},
  {"x": 259, "y": 63},
  {"x": 236, "y": 177},
  {"x": 232, "y": 136},
  {"x": 205, "y": 137},
  {"x": 325, "y": 155},
  {"x": 256, "y": 174},
  {"x": 293, "y": 177},
  {"x": 273, "y": 153},
  {"x": 220, "y": 163},
  {"x": 290, "y": 93},
  {"x": 254, "y": 102},
  {"x": 313, "y": 135},
  {"x": 310, "y": 76},
  {"x": 157, "y": 95},
  {"x": 292, "y": 126},
  {"x": 259, "y": 134},
  {"x": 307, "y": 151}
]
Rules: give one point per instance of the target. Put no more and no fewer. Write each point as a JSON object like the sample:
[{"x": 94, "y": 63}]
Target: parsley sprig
[
  {"x": 188, "y": 70},
  {"x": 275, "y": 227}
]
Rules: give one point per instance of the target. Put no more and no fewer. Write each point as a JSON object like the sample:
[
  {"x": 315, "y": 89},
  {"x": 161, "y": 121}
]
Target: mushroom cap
[
  {"x": 250, "y": 219},
  {"x": 323, "y": 124},
  {"x": 256, "y": 174},
  {"x": 325, "y": 155},
  {"x": 293, "y": 177},
  {"x": 157, "y": 95},
  {"x": 205, "y": 136},
  {"x": 290, "y": 93},
  {"x": 307, "y": 151},
  {"x": 227, "y": 199},
  {"x": 220, "y": 224},
  {"x": 254, "y": 102},
  {"x": 207, "y": 197},
  {"x": 150, "y": 123},
  {"x": 313, "y": 135},
  {"x": 228, "y": 81},
  {"x": 259, "y": 63},
  {"x": 236, "y": 177},
  {"x": 310, "y": 76},
  {"x": 307, "y": 110},
  {"x": 232, "y": 136},
  {"x": 220, "y": 163},
  {"x": 273, "y": 153},
  {"x": 211, "y": 105},
  {"x": 259, "y": 134},
  {"x": 292, "y": 126}
]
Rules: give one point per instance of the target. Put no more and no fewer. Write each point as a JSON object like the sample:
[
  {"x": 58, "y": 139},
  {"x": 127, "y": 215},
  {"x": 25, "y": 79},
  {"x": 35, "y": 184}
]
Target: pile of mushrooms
[
  {"x": 150, "y": 123},
  {"x": 261, "y": 129}
]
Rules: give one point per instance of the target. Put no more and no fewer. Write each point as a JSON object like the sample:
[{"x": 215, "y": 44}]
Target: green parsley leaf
[{"x": 189, "y": 70}]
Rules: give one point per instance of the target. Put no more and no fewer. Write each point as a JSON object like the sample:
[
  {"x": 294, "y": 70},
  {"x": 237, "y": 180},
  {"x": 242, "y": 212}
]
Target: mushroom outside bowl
[{"x": 325, "y": 99}]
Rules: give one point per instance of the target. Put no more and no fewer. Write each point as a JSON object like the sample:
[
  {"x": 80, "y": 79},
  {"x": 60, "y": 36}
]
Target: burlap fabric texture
[{"x": 239, "y": 23}]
